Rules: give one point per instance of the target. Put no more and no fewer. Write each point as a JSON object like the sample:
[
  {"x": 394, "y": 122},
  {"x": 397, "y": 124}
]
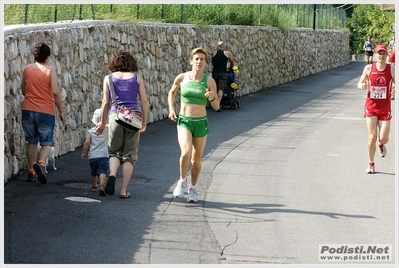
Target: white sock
[
  {"x": 184, "y": 180},
  {"x": 193, "y": 186}
]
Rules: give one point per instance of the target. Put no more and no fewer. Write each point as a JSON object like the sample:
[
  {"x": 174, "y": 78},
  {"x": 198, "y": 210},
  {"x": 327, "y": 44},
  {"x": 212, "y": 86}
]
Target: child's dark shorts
[{"x": 99, "y": 166}]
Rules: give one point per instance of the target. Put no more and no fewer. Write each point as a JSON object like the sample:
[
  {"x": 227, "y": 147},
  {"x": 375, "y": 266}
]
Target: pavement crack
[
  {"x": 149, "y": 252},
  {"x": 235, "y": 240}
]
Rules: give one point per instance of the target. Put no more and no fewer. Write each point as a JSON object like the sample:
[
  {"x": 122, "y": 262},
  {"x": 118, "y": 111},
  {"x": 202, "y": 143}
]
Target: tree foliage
[{"x": 369, "y": 20}]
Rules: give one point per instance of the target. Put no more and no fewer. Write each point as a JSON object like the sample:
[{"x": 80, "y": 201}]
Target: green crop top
[{"x": 194, "y": 92}]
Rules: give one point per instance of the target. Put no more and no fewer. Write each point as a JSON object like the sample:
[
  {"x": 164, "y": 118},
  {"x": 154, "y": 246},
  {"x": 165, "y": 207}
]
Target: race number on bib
[{"x": 378, "y": 92}]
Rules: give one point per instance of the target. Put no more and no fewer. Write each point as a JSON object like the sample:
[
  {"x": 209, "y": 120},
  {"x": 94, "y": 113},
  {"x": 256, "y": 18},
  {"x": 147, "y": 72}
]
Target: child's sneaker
[
  {"x": 179, "y": 190},
  {"x": 93, "y": 188},
  {"x": 101, "y": 190},
  {"x": 40, "y": 171},
  {"x": 371, "y": 168}
]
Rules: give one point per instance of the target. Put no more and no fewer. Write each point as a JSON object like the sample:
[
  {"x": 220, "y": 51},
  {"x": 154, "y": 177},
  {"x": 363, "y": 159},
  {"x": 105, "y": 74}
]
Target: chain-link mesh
[{"x": 282, "y": 16}]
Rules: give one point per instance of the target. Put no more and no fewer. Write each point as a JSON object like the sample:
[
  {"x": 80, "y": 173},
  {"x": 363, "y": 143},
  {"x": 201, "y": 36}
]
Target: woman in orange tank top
[{"x": 40, "y": 89}]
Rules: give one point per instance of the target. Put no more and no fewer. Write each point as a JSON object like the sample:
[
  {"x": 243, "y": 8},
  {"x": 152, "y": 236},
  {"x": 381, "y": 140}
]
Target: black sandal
[{"x": 110, "y": 187}]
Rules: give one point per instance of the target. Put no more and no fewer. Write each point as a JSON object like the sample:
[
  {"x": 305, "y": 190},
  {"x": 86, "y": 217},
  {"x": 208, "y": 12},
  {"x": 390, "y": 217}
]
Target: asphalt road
[{"x": 282, "y": 176}]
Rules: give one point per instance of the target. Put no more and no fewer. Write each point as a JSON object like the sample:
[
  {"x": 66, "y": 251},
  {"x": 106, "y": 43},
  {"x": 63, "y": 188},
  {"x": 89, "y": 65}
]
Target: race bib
[
  {"x": 378, "y": 92},
  {"x": 368, "y": 48}
]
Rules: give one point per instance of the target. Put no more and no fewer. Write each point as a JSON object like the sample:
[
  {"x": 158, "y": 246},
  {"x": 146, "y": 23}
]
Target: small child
[{"x": 98, "y": 154}]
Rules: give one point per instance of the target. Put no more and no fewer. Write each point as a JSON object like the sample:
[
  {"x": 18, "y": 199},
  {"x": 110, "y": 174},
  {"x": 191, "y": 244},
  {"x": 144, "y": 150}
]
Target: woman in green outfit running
[{"x": 192, "y": 122}]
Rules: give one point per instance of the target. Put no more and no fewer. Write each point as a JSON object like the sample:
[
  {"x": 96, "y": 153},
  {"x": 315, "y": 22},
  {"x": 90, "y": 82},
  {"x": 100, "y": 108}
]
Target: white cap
[{"x": 96, "y": 116}]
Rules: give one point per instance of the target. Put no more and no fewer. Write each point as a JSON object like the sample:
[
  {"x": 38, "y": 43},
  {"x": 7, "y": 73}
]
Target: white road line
[{"x": 81, "y": 199}]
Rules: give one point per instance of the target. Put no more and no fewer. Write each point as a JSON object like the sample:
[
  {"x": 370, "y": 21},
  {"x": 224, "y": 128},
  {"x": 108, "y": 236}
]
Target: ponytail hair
[{"x": 41, "y": 52}]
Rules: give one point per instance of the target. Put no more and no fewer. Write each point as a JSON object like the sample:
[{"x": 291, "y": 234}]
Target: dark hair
[
  {"x": 41, "y": 52},
  {"x": 123, "y": 62}
]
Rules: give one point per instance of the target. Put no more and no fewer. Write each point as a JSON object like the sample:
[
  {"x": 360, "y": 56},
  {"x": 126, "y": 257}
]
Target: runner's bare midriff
[{"x": 193, "y": 110}]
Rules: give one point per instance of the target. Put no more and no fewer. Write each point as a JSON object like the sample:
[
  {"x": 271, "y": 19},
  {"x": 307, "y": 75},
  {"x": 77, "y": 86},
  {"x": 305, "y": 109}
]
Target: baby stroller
[{"x": 230, "y": 92}]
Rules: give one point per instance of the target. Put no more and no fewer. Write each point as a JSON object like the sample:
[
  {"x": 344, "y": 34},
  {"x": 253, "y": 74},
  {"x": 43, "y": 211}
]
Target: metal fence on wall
[{"x": 282, "y": 16}]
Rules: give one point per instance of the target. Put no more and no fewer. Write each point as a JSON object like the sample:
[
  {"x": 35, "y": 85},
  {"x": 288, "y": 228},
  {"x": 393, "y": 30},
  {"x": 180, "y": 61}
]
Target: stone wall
[{"x": 81, "y": 52}]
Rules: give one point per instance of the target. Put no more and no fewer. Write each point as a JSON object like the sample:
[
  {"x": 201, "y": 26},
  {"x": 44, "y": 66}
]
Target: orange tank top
[{"x": 38, "y": 95}]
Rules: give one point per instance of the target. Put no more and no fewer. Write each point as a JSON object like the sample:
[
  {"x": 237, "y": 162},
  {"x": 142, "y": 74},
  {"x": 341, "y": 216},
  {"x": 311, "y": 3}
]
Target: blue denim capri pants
[{"x": 38, "y": 127}]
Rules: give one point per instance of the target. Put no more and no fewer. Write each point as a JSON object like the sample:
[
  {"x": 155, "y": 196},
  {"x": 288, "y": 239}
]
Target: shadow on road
[{"x": 41, "y": 226}]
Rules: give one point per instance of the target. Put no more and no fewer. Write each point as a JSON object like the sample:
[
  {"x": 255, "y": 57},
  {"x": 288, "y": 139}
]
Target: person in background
[
  {"x": 123, "y": 143},
  {"x": 97, "y": 145},
  {"x": 392, "y": 55},
  {"x": 220, "y": 58},
  {"x": 377, "y": 78},
  {"x": 40, "y": 89},
  {"x": 368, "y": 48},
  {"x": 192, "y": 122},
  {"x": 392, "y": 42},
  {"x": 392, "y": 61}
]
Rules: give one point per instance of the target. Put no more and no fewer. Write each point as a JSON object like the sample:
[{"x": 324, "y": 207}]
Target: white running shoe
[
  {"x": 179, "y": 190},
  {"x": 192, "y": 195},
  {"x": 371, "y": 168},
  {"x": 382, "y": 150}
]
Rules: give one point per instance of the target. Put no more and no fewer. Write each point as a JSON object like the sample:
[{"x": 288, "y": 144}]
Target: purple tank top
[{"x": 126, "y": 91}]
